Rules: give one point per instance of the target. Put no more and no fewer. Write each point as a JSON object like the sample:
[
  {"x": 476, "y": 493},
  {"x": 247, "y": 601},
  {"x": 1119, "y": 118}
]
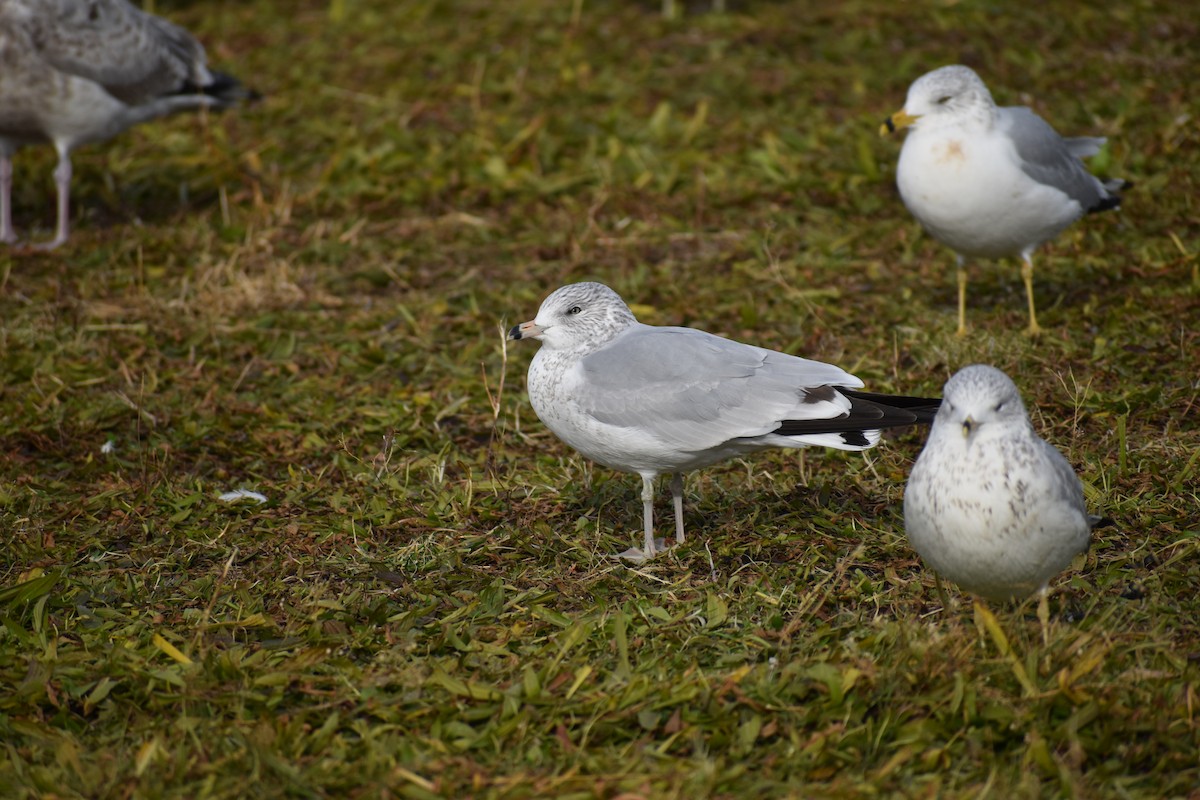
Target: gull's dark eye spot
[
  {"x": 999, "y": 406},
  {"x": 574, "y": 310},
  {"x": 941, "y": 101}
]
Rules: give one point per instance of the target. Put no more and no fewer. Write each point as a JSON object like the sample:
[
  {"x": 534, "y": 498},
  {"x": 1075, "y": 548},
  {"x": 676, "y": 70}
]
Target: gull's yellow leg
[
  {"x": 985, "y": 620},
  {"x": 941, "y": 593},
  {"x": 1027, "y": 276},
  {"x": 962, "y": 299},
  {"x": 1043, "y": 615}
]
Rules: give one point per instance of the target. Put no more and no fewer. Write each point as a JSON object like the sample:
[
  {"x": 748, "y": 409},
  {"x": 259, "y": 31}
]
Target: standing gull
[
  {"x": 990, "y": 505},
  {"x": 80, "y": 71},
  {"x": 651, "y": 400},
  {"x": 987, "y": 181}
]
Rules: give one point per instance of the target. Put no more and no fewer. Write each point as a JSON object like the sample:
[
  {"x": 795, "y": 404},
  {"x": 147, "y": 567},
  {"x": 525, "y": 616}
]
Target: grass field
[{"x": 306, "y": 298}]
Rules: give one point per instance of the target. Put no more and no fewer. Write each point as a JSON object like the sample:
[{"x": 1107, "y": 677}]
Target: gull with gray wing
[
  {"x": 79, "y": 71},
  {"x": 990, "y": 181},
  {"x": 990, "y": 505},
  {"x": 654, "y": 400}
]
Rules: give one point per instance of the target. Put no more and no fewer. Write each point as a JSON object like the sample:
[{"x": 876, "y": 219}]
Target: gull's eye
[
  {"x": 941, "y": 101},
  {"x": 999, "y": 407},
  {"x": 574, "y": 310}
]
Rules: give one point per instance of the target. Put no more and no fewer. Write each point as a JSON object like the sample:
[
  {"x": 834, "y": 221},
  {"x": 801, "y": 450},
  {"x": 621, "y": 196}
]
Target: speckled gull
[
  {"x": 987, "y": 181},
  {"x": 653, "y": 400},
  {"x": 80, "y": 71},
  {"x": 990, "y": 505}
]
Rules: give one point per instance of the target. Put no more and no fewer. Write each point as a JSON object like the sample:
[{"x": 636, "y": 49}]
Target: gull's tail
[
  {"x": 1111, "y": 196},
  {"x": 921, "y": 409},
  {"x": 224, "y": 88},
  {"x": 1110, "y": 190},
  {"x": 869, "y": 414}
]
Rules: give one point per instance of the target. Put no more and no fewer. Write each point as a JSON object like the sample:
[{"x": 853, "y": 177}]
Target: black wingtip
[
  {"x": 224, "y": 87},
  {"x": 856, "y": 439},
  {"x": 1106, "y": 204},
  {"x": 868, "y": 412},
  {"x": 923, "y": 409},
  {"x": 1111, "y": 200}
]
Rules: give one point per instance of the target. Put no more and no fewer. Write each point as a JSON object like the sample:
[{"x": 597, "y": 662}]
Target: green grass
[{"x": 306, "y": 298}]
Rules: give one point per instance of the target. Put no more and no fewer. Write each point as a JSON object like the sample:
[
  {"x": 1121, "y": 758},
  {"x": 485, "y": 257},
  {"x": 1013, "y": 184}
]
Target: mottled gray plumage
[
  {"x": 987, "y": 181},
  {"x": 990, "y": 505},
  {"x": 645, "y": 399},
  {"x": 79, "y": 71}
]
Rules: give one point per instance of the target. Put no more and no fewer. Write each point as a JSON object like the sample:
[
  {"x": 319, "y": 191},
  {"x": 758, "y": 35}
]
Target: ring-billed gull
[
  {"x": 652, "y": 400},
  {"x": 990, "y": 505},
  {"x": 990, "y": 181},
  {"x": 80, "y": 71}
]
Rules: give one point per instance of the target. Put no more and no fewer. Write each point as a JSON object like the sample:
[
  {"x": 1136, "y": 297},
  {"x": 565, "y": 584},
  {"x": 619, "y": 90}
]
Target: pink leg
[
  {"x": 677, "y": 497},
  {"x": 650, "y": 545},
  {"x": 7, "y": 234},
  {"x": 62, "y": 179},
  {"x": 648, "y": 515}
]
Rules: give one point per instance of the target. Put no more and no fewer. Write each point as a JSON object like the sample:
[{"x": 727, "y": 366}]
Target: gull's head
[
  {"x": 579, "y": 316},
  {"x": 980, "y": 397},
  {"x": 947, "y": 94}
]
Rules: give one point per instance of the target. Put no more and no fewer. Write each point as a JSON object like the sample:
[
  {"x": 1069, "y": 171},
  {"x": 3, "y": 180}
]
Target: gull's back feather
[{"x": 1050, "y": 159}]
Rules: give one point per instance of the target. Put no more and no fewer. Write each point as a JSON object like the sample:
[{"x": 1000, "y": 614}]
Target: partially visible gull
[
  {"x": 988, "y": 181},
  {"x": 653, "y": 400},
  {"x": 80, "y": 71}
]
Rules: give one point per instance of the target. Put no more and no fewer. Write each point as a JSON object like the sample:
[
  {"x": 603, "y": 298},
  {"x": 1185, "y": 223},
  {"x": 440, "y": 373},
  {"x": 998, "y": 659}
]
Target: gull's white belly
[
  {"x": 969, "y": 191},
  {"x": 992, "y": 533}
]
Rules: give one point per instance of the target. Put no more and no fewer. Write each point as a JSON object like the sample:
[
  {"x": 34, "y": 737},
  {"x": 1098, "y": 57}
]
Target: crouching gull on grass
[
  {"x": 990, "y": 182},
  {"x": 653, "y": 400},
  {"x": 990, "y": 505},
  {"x": 80, "y": 71}
]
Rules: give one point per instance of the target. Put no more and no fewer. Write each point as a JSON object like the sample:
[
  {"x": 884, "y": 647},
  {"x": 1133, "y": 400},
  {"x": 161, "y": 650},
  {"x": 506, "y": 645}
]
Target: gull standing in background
[
  {"x": 989, "y": 504},
  {"x": 653, "y": 400},
  {"x": 80, "y": 71},
  {"x": 990, "y": 181}
]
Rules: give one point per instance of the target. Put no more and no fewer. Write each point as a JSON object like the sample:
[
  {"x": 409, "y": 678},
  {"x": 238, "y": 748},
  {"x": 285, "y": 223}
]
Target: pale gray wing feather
[
  {"x": 1068, "y": 491},
  {"x": 696, "y": 391},
  {"x": 1066, "y": 483},
  {"x": 1049, "y": 158},
  {"x": 1085, "y": 146},
  {"x": 135, "y": 56}
]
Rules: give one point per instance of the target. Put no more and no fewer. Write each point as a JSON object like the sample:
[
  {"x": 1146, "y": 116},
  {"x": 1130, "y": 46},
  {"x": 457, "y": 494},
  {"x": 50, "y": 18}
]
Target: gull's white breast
[
  {"x": 987, "y": 517},
  {"x": 966, "y": 186}
]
